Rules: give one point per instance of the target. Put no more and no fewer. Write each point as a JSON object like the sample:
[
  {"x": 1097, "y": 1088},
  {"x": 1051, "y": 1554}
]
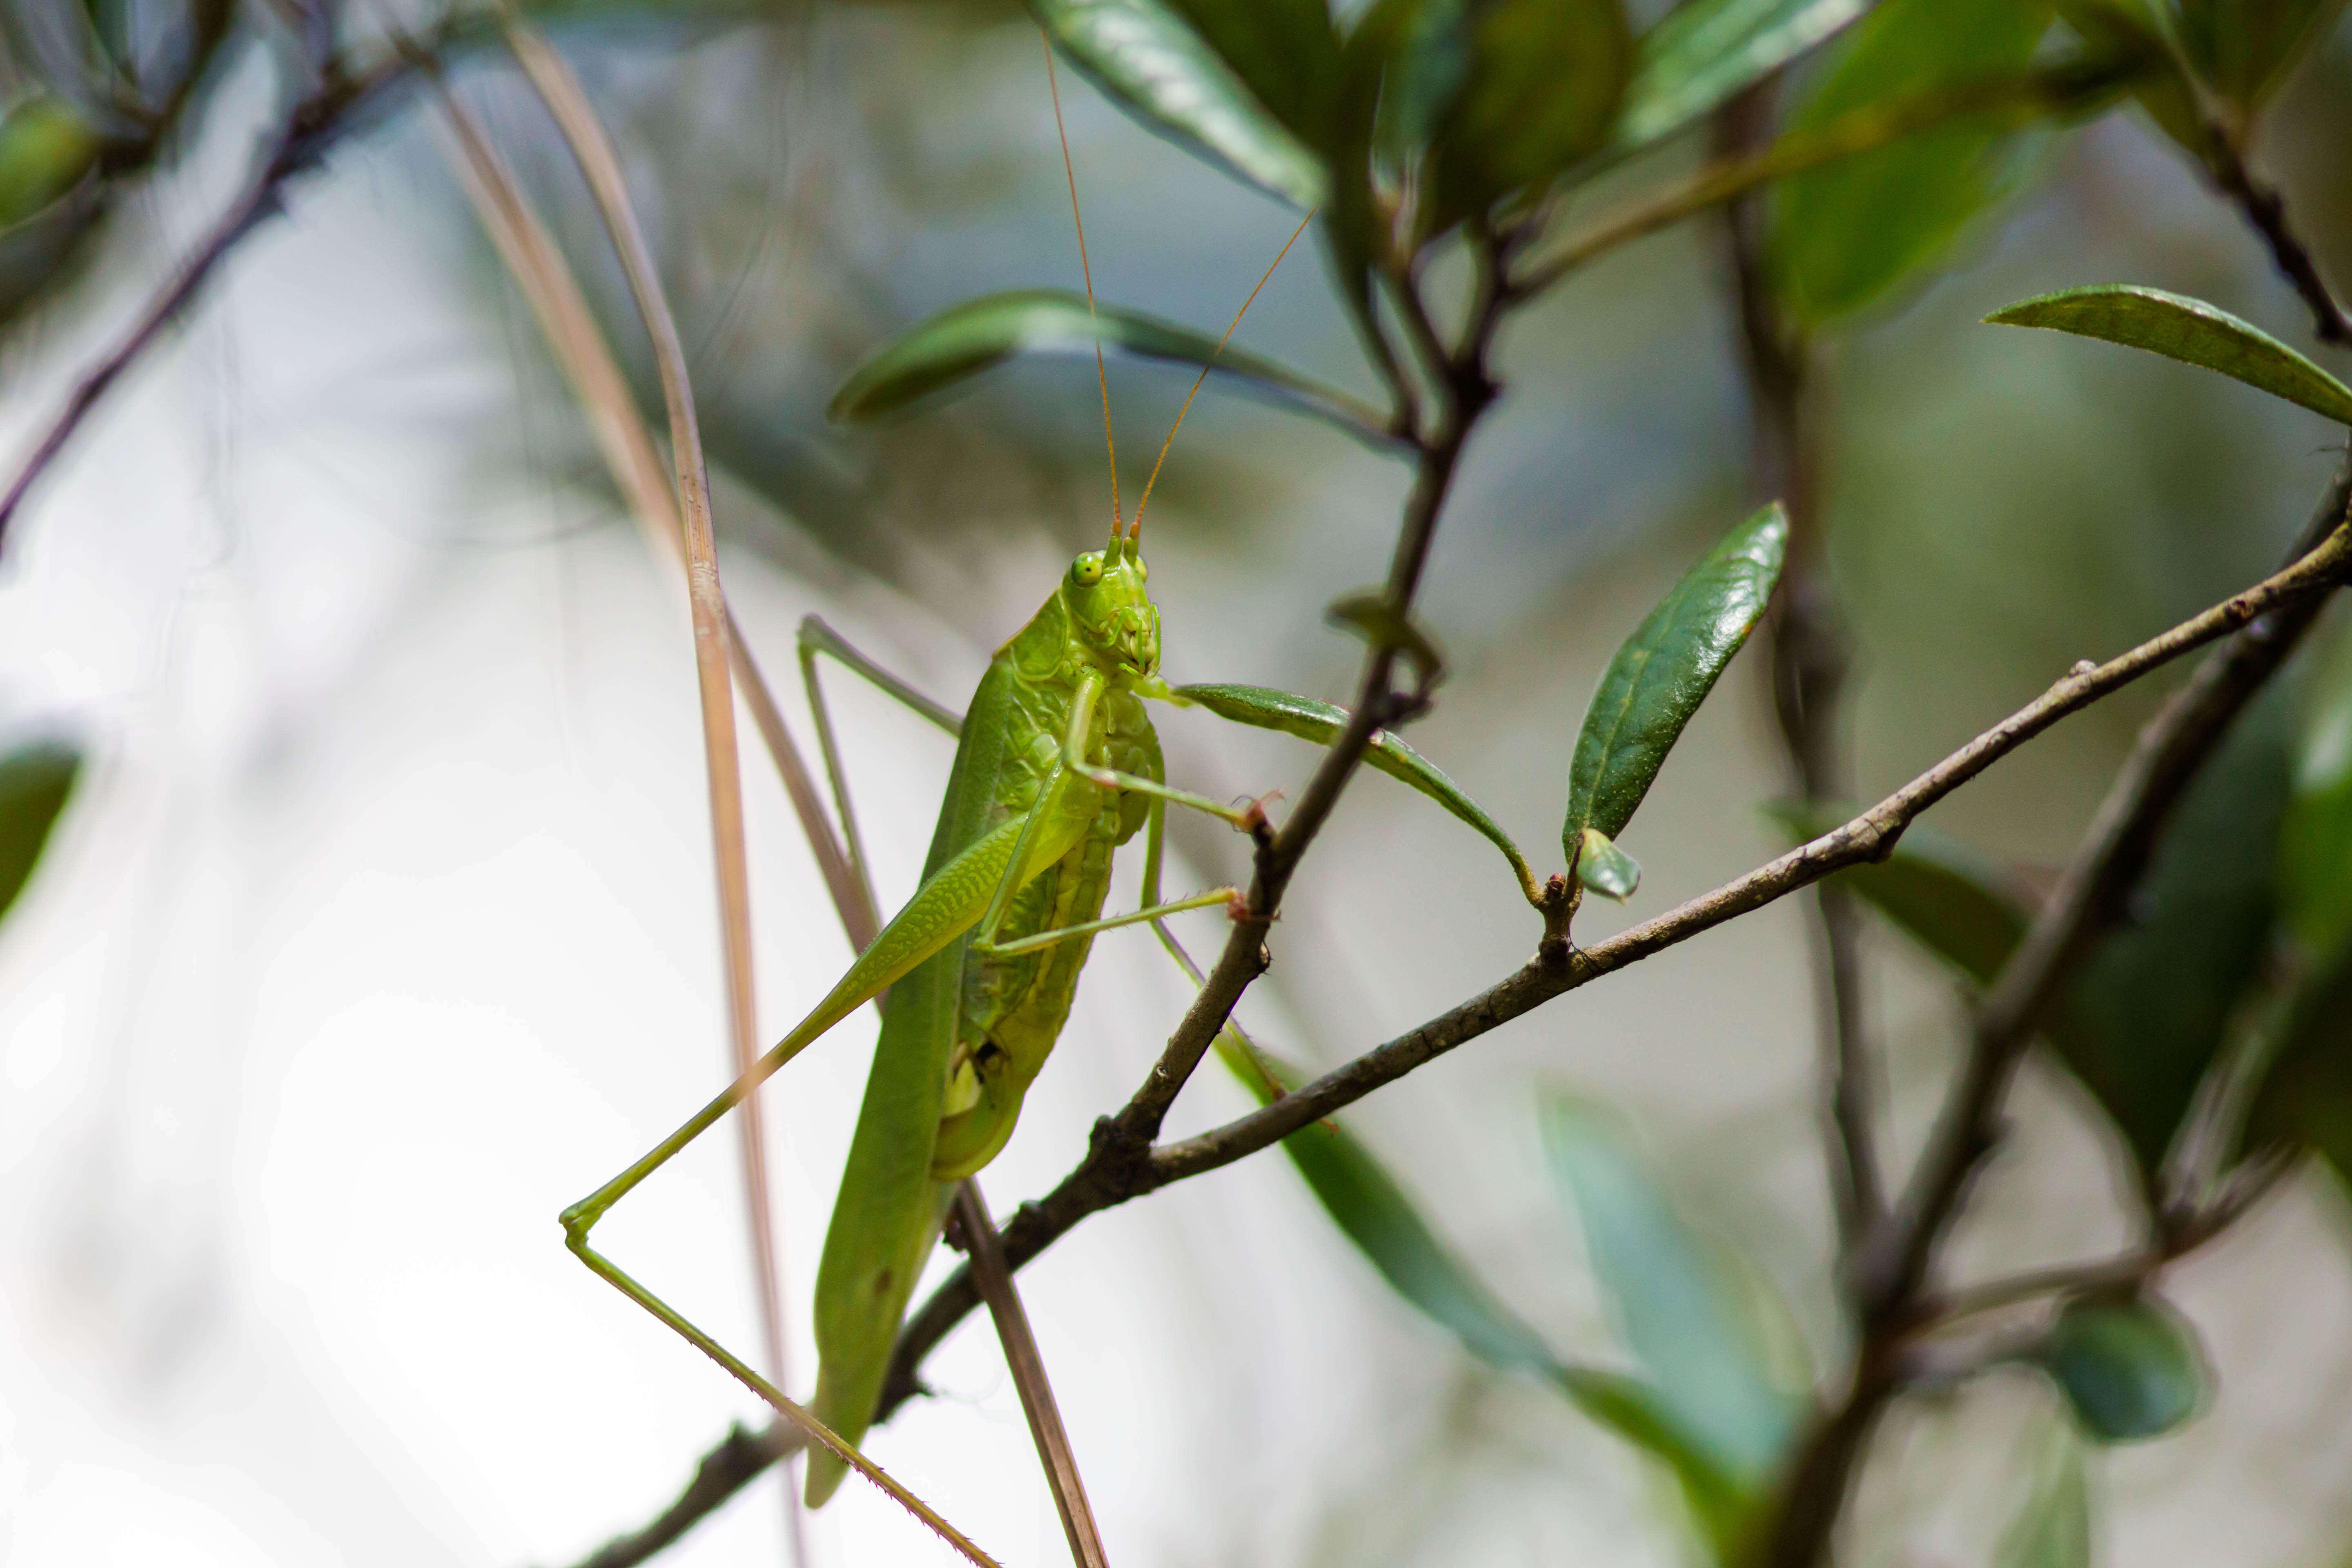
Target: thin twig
[
  {"x": 298, "y": 144},
  {"x": 976, "y": 1232},
  {"x": 592, "y": 149},
  {"x": 2265, "y": 210}
]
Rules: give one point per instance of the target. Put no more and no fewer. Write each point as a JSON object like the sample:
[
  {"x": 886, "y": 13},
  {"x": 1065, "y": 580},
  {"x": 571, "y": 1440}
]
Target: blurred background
[{"x": 381, "y": 924}]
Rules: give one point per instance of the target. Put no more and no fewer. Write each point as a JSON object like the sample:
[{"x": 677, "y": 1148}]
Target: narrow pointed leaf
[
  {"x": 2187, "y": 330},
  {"x": 978, "y": 335},
  {"x": 1684, "y": 1313},
  {"x": 1322, "y": 722},
  {"x": 2129, "y": 1365},
  {"x": 1605, "y": 868},
  {"x": 34, "y": 783},
  {"x": 1151, "y": 62},
  {"x": 1665, "y": 672},
  {"x": 1843, "y": 235},
  {"x": 1373, "y": 1212},
  {"x": 2315, "y": 844},
  {"x": 1703, "y": 53}
]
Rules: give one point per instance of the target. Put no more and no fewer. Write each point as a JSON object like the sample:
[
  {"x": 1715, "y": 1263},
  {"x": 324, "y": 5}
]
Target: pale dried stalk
[{"x": 535, "y": 261}]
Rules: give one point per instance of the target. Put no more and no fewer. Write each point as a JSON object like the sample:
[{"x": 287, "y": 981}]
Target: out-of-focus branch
[
  {"x": 341, "y": 97},
  {"x": 1891, "y": 1275},
  {"x": 1807, "y": 648},
  {"x": 2265, "y": 210}
]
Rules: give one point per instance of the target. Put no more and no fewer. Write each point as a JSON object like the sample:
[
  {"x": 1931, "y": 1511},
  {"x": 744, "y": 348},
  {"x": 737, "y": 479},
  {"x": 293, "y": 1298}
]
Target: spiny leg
[
  {"x": 815, "y": 638},
  {"x": 1155, "y": 827}
]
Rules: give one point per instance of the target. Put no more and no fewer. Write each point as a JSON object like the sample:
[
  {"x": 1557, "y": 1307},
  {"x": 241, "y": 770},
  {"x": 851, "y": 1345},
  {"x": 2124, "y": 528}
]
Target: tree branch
[
  {"x": 300, "y": 142},
  {"x": 2265, "y": 210},
  {"x": 1892, "y": 1274},
  {"x": 741, "y": 1459}
]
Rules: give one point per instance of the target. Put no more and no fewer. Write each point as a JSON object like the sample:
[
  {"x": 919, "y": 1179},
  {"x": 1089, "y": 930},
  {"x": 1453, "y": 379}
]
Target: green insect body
[{"x": 965, "y": 1032}]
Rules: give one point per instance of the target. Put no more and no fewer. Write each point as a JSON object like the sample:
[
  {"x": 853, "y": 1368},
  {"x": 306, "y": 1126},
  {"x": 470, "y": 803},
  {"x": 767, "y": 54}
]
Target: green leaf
[
  {"x": 2129, "y": 1365},
  {"x": 978, "y": 335},
  {"x": 1539, "y": 96},
  {"x": 1843, "y": 236},
  {"x": 1286, "y": 53},
  {"x": 1665, "y": 672},
  {"x": 1151, "y": 62},
  {"x": 1373, "y": 1213},
  {"x": 1320, "y": 723},
  {"x": 1957, "y": 904},
  {"x": 2187, "y": 330},
  {"x": 2140, "y": 32},
  {"x": 2152, "y": 1004},
  {"x": 1703, "y": 53},
  {"x": 1605, "y": 868},
  {"x": 1685, "y": 1317},
  {"x": 34, "y": 783},
  {"x": 2245, "y": 49},
  {"x": 2304, "y": 1097},
  {"x": 2053, "y": 1529}
]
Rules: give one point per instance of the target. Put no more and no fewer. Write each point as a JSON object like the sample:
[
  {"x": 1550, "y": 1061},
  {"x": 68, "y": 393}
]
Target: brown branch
[
  {"x": 2261, "y": 206},
  {"x": 1891, "y": 1276},
  {"x": 297, "y": 145}
]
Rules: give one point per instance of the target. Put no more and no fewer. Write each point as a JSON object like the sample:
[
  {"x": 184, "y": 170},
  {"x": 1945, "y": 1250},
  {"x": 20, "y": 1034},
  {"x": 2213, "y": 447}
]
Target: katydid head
[{"x": 1112, "y": 617}]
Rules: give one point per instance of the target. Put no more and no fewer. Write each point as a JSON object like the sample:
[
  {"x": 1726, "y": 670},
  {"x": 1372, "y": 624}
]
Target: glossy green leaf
[
  {"x": 1538, "y": 94},
  {"x": 1605, "y": 868},
  {"x": 1843, "y": 236},
  {"x": 1286, "y": 52},
  {"x": 1684, "y": 1313},
  {"x": 2129, "y": 1365},
  {"x": 2051, "y": 1528},
  {"x": 1665, "y": 672},
  {"x": 34, "y": 783},
  {"x": 2304, "y": 1097},
  {"x": 1150, "y": 61},
  {"x": 1372, "y": 1211},
  {"x": 978, "y": 335},
  {"x": 2153, "y": 1002},
  {"x": 1957, "y": 904},
  {"x": 1703, "y": 53},
  {"x": 2187, "y": 330},
  {"x": 2245, "y": 49},
  {"x": 1320, "y": 723}
]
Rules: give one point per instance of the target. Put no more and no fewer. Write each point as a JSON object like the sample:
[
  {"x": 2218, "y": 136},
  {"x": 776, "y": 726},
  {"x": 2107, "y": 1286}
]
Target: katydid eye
[{"x": 1086, "y": 571}]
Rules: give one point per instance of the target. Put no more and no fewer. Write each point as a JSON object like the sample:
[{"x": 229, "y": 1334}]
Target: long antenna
[
  {"x": 1086, "y": 269},
  {"x": 1136, "y": 532}
]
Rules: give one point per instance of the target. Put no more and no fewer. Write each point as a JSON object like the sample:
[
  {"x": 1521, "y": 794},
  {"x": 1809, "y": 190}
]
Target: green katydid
[{"x": 1056, "y": 766}]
